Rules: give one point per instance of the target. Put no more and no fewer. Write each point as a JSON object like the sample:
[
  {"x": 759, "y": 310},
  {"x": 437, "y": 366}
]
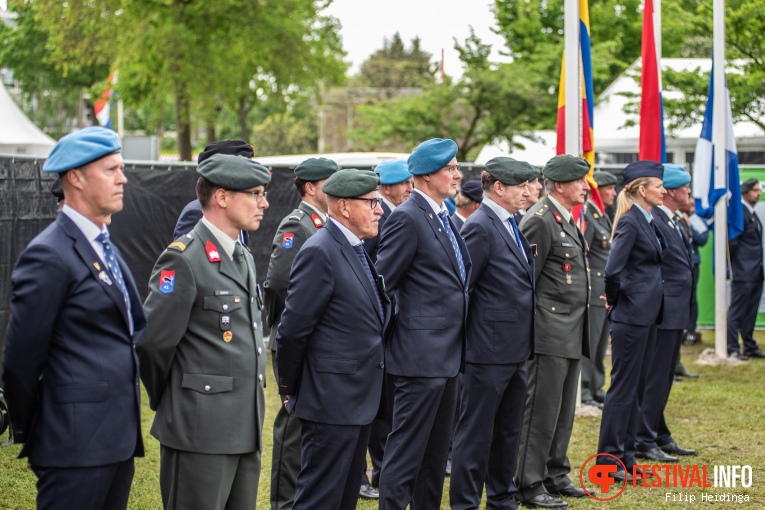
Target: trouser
[
  {"x": 285, "y": 456},
  {"x": 594, "y": 369},
  {"x": 87, "y": 488},
  {"x": 742, "y": 314}
]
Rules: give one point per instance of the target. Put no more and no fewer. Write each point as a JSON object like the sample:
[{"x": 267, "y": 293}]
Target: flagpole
[
  {"x": 573, "y": 121},
  {"x": 719, "y": 135}
]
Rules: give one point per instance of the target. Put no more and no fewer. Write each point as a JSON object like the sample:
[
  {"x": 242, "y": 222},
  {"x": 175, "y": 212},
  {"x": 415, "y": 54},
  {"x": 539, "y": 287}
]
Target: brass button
[
  {"x": 553, "y": 309},
  {"x": 567, "y": 255},
  {"x": 260, "y": 351},
  {"x": 598, "y": 273},
  {"x": 207, "y": 387},
  {"x": 254, "y": 325},
  {"x": 260, "y": 377},
  {"x": 225, "y": 307},
  {"x": 252, "y": 300}
]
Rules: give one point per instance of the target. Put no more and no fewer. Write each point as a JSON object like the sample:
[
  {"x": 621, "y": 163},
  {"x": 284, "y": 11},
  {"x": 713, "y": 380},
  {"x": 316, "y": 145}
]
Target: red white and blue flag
[
  {"x": 652, "y": 144},
  {"x": 102, "y": 108}
]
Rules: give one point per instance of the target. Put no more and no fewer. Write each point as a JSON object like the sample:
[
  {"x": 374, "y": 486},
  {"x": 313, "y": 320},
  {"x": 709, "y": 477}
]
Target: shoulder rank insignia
[
  {"x": 166, "y": 281},
  {"x": 287, "y": 240},
  {"x": 595, "y": 215},
  {"x": 539, "y": 213},
  {"x": 558, "y": 217},
  {"x": 212, "y": 252},
  {"x": 317, "y": 221},
  {"x": 177, "y": 245}
]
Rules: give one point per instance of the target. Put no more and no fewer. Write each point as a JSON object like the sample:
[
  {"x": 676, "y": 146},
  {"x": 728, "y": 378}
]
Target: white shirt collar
[
  {"x": 669, "y": 213},
  {"x": 226, "y": 243},
  {"x": 352, "y": 238},
  {"x": 562, "y": 210},
  {"x": 432, "y": 203},
  {"x": 388, "y": 203},
  {"x": 498, "y": 209},
  {"x": 89, "y": 229},
  {"x": 321, "y": 214},
  {"x": 646, "y": 214},
  {"x": 749, "y": 207}
]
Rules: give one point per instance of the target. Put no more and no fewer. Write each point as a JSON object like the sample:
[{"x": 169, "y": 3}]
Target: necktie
[
  {"x": 240, "y": 263},
  {"x": 455, "y": 246},
  {"x": 114, "y": 269},
  {"x": 657, "y": 233},
  {"x": 359, "y": 249},
  {"x": 517, "y": 235}
]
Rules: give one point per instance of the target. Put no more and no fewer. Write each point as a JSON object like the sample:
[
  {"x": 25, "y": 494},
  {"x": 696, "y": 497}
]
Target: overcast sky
[{"x": 365, "y": 23}]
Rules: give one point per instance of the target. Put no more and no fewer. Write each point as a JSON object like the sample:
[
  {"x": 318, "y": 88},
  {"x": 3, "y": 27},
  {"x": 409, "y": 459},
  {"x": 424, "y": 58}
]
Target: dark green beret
[
  {"x": 315, "y": 169},
  {"x": 603, "y": 178},
  {"x": 565, "y": 168},
  {"x": 350, "y": 183},
  {"x": 537, "y": 173},
  {"x": 749, "y": 184},
  {"x": 233, "y": 172},
  {"x": 510, "y": 171}
]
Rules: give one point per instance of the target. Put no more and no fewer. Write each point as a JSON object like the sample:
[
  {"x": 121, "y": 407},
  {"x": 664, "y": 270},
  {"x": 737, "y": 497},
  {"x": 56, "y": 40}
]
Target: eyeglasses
[
  {"x": 259, "y": 195},
  {"x": 373, "y": 202},
  {"x": 450, "y": 169}
]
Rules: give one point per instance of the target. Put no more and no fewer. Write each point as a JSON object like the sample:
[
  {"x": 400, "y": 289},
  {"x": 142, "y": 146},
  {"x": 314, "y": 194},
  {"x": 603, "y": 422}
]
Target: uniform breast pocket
[
  {"x": 566, "y": 251},
  {"x": 224, "y": 306}
]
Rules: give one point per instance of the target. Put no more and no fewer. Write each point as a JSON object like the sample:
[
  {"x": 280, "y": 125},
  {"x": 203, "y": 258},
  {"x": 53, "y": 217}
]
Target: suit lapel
[
  {"x": 97, "y": 268},
  {"x": 350, "y": 255},
  {"x": 647, "y": 230},
  {"x": 438, "y": 229},
  {"x": 499, "y": 225}
]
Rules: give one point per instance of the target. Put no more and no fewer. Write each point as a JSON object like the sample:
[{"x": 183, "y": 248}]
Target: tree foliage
[{"x": 395, "y": 66}]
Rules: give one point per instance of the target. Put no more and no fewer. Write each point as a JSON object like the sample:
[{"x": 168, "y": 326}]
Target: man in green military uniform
[
  {"x": 293, "y": 231},
  {"x": 202, "y": 356},
  {"x": 597, "y": 233},
  {"x": 561, "y": 334}
]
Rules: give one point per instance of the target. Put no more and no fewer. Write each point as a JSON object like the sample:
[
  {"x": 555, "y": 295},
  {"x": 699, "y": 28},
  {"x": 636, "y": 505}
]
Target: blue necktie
[
  {"x": 114, "y": 269},
  {"x": 359, "y": 249},
  {"x": 517, "y": 235},
  {"x": 455, "y": 246}
]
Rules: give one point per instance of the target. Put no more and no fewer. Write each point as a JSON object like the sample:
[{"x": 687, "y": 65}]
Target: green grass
[{"x": 720, "y": 414}]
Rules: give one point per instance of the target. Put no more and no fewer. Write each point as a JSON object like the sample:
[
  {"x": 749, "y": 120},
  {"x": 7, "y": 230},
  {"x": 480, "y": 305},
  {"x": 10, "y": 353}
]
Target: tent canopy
[{"x": 18, "y": 134}]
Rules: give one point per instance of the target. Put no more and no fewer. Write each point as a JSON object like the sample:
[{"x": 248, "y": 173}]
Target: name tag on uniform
[{"x": 223, "y": 292}]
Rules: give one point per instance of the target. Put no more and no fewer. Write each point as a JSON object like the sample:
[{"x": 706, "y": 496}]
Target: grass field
[{"x": 721, "y": 414}]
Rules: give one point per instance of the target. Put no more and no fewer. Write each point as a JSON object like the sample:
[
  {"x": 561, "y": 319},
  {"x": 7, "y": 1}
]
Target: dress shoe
[
  {"x": 448, "y": 468},
  {"x": 571, "y": 491},
  {"x": 738, "y": 356},
  {"x": 678, "y": 378},
  {"x": 674, "y": 449},
  {"x": 655, "y": 454},
  {"x": 544, "y": 500},
  {"x": 593, "y": 402},
  {"x": 688, "y": 374},
  {"x": 755, "y": 354},
  {"x": 368, "y": 492},
  {"x": 620, "y": 476},
  {"x": 600, "y": 396}
]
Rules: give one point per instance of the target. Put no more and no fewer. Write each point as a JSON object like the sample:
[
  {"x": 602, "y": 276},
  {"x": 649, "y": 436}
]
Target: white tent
[
  {"x": 18, "y": 134},
  {"x": 613, "y": 137}
]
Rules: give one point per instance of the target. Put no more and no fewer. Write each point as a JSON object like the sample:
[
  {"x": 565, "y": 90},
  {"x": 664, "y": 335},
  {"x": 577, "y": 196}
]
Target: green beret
[
  {"x": 566, "y": 168},
  {"x": 537, "y": 173},
  {"x": 749, "y": 184},
  {"x": 349, "y": 183},
  {"x": 315, "y": 169},
  {"x": 510, "y": 171},
  {"x": 233, "y": 172},
  {"x": 603, "y": 178}
]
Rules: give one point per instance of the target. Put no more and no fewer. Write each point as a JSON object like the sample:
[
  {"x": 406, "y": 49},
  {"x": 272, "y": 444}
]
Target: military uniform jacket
[
  {"x": 634, "y": 286},
  {"x": 421, "y": 269},
  {"x": 562, "y": 282},
  {"x": 676, "y": 273},
  {"x": 203, "y": 357},
  {"x": 746, "y": 250},
  {"x": 70, "y": 371},
  {"x": 598, "y": 237},
  {"x": 500, "y": 325},
  {"x": 330, "y": 351},
  {"x": 293, "y": 232}
]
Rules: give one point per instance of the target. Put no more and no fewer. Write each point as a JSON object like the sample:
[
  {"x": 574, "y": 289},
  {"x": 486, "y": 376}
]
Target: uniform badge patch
[
  {"x": 212, "y": 252},
  {"x": 227, "y": 336},
  {"x": 166, "y": 281},
  {"x": 104, "y": 278},
  {"x": 558, "y": 217},
  {"x": 567, "y": 267},
  {"x": 317, "y": 222},
  {"x": 287, "y": 239}
]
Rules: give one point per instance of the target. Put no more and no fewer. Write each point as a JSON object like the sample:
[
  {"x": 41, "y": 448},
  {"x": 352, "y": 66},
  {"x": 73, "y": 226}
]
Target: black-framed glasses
[
  {"x": 450, "y": 169},
  {"x": 259, "y": 195},
  {"x": 373, "y": 202}
]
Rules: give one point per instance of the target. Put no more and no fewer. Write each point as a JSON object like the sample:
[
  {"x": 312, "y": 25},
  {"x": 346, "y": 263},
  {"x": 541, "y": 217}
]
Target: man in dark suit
[
  {"x": 598, "y": 236},
  {"x": 427, "y": 268},
  {"x": 654, "y": 441},
  {"x": 294, "y": 230},
  {"x": 192, "y": 212},
  {"x": 500, "y": 333},
  {"x": 396, "y": 185},
  {"x": 331, "y": 365},
  {"x": 467, "y": 201},
  {"x": 69, "y": 370},
  {"x": 203, "y": 358},
  {"x": 561, "y": 334},
  {"x": 746, "y": 277},
  {"x": 697, "y": 231}
]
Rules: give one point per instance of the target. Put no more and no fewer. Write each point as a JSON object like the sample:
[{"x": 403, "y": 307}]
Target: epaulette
[
  {"x": 182, "y": 243},
  {"x": 299, "y": 213}
]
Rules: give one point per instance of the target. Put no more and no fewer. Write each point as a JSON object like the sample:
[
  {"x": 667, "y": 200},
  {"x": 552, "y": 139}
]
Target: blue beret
[
  {"x": 472, "y": 190},
  {"x": 393, "y": 171},
  {"x": 675, "y": 176},
  {"x": 638, "y": 169},
  {"x": 80, "y": 148},
  {"x": 431, "y": 156}
]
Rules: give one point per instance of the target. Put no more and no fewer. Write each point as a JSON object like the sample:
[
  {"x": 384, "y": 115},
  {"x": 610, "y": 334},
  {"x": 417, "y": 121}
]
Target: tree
[
  {"x": 490, "y": 101},
  {"x": 394, "y": 66}
]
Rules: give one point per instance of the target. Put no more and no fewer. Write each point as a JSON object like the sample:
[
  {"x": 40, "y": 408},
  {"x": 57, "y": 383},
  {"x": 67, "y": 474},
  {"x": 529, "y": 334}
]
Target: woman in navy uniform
[{"x": 634, "y": 296}]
